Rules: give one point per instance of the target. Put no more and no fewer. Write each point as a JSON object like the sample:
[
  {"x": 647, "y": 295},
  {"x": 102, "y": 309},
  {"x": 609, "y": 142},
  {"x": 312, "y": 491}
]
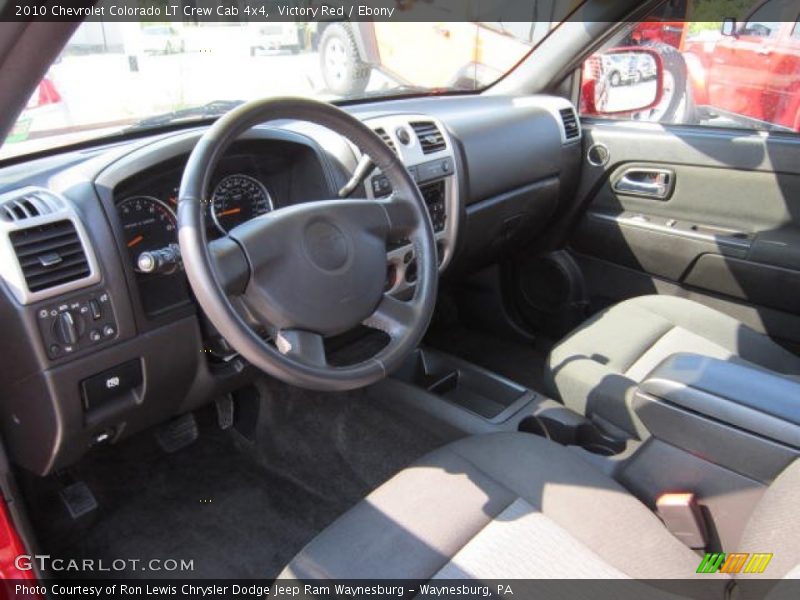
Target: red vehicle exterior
[
  {"x": 752, "y": 77},
  {"x": 748, "y": 77}
]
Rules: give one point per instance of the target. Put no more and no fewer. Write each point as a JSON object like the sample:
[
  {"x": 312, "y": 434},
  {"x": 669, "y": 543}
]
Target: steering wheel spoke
[
  {"x": 394, "y": 317},
  {"x": 402, "y": 215},
  {"x": 230, "y": 266},
  {"x": 306, "y": 346}
]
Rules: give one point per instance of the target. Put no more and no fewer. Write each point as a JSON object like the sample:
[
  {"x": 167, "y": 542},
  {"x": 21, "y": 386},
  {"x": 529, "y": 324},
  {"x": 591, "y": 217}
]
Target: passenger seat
[{"x": 595, "y": 369}]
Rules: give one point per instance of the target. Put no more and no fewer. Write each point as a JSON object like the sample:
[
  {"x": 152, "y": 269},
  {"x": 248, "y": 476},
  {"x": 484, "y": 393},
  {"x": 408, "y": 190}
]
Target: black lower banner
[{"x": 547, "y": 589}]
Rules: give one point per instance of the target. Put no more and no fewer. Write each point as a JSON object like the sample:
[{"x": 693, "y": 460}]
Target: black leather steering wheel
[{"x": 309, "y": 270}]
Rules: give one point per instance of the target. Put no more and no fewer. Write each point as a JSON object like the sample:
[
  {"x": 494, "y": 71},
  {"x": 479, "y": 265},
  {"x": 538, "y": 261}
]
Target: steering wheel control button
[
  {"x": 79, "y": 323},
  {"x": 326, "y": 245},
  {"x": 116, "y": 384}
]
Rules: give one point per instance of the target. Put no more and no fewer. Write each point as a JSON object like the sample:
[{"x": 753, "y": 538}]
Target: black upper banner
[{"x": 199, "y": 11}]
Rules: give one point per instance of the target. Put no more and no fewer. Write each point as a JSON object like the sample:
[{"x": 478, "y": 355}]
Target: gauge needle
[
  {"x": 230, "y": 211},
  {"x": 135, "y": 241}
]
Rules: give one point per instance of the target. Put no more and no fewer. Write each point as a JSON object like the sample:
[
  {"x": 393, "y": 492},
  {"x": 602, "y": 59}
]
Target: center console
[
  {"x": 734, "y": 415},
  {"x": 427, "y": 151}
]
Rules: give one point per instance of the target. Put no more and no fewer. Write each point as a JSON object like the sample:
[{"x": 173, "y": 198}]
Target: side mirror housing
[
  {"x": 622, "y": 80},
  {"x": 728, "y": 28}
]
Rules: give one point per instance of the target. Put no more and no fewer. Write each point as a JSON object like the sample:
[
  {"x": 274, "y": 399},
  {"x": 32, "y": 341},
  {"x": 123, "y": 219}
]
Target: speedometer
[
  {"x": 147, "y": 223},
  {"x": 238, "y": 198}
]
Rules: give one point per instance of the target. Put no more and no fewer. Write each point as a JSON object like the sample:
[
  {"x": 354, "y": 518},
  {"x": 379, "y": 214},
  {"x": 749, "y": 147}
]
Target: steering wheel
[{"x": 308, "y": 270}]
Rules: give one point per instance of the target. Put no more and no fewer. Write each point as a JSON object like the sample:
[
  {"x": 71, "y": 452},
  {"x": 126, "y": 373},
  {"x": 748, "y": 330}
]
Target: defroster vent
[{"x": 571, "y": 128}]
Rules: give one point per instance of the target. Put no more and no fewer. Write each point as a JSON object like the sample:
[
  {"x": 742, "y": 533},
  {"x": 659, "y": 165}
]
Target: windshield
[{"x": 112, "y": 76}]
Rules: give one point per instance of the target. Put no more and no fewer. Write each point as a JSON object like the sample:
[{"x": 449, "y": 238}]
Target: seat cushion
[
  {"x": 595, "y": 369},
  {"x": 504, "y": 505}
]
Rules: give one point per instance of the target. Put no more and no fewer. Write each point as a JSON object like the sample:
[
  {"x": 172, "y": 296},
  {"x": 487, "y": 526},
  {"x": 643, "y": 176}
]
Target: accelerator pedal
[
  {"x": 224, "y": 406},
  {"x": 178, "y": 433}
]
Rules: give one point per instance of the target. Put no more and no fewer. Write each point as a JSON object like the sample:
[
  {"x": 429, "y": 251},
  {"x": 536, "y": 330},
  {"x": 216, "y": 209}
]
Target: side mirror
[
  {"x": 728, "y": 28},
  {"x": 622, "y": 80}
]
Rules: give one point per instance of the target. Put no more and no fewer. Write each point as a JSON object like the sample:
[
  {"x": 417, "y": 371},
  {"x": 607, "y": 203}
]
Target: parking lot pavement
[
  {"x": 105, "y": 91},
  {"x": 103, "y": 88}
]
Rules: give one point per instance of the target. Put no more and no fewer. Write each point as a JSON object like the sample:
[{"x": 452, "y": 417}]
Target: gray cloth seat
[
  {"x": 595, "y": 369},
  {"x": 514, "y": 505}
]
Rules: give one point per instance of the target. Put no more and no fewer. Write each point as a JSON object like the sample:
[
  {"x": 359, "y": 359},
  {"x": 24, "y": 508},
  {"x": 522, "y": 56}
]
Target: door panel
[{"x": 728, "y": 230}]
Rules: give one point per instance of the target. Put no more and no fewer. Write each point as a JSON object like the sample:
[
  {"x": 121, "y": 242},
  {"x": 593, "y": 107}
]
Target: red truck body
[{"x": 751, "y": 78}]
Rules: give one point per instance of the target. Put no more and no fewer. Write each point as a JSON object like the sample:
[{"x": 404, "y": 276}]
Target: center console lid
[
  {"x": 741, "y": 395},
  {"x": 734, "y": 414}
]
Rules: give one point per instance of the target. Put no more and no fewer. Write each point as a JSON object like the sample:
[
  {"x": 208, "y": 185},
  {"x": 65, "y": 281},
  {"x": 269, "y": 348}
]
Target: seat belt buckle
[{"x": 683, "y": 518}]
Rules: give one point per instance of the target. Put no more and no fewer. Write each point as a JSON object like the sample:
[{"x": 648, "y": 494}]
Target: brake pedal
[
  {"x": 224, "y": 406},
  {"x": 78, "y": 499},
  {"x": 178, "y": 433}
]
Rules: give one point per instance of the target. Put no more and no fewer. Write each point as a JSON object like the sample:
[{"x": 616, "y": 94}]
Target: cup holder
[
  {"x": 590, "y": 438},
  {"x": 586, "y": 435}
]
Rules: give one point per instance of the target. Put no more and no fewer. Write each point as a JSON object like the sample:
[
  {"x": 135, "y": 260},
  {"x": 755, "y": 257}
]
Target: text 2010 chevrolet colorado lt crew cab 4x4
[{"x": 470, "y": 299}]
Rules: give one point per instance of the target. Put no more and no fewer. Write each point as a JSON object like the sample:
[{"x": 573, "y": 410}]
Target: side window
[
  {"x": 765, "y": 29},
  {"x": 750, "y": 80}
]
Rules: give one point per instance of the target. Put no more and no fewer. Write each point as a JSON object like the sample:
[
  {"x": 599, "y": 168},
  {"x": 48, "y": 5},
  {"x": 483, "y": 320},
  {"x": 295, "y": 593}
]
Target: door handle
[
  {"x": 652, "y": 183},
  {"x": 763, "y": 51}
]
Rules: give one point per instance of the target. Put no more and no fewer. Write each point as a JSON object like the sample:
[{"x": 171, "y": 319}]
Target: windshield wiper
[
  {"x": 205, "y": 111},
  {"x": 399, "y": 90}
]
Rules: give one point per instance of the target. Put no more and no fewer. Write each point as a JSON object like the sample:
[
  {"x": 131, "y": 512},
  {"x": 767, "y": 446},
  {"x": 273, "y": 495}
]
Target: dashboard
[{"x": 103, "y": 336}]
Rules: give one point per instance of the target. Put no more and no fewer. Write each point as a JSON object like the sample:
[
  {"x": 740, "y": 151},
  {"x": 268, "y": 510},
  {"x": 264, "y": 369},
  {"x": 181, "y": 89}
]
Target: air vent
[
  {"x": 386, "y": 139},
  {"x": 50, "y": 255},
  {"x": 430, "y": 138},
  {"x": 571, "y": 128},
  {"x": 32, "y": 204}
]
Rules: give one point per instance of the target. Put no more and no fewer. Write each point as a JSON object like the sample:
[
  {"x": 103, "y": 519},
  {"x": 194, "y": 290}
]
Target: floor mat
[
  {"x": 523, "y": 363},
  {"x": 235, "y": 508}
]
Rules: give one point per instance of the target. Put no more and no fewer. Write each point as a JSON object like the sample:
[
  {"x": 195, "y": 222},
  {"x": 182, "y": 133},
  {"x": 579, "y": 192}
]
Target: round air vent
[{"x": 403, "y": 136}]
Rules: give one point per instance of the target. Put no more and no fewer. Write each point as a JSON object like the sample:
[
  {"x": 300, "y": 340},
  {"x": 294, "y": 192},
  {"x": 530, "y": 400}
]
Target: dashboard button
[
  {"x": 109, "y": 330},
  {"x": 95, "y": 336},
  {"x": 111, "y": 383},
  {"x": 94, "y": 307}
]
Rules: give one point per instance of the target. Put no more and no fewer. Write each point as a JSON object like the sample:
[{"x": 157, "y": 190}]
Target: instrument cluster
[{"x": 149, "y": 222}]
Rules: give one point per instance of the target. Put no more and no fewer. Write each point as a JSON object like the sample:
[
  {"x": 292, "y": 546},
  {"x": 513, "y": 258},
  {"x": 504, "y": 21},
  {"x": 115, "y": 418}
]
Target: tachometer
[
  {"x": 148, "y": 224},
  {"x": 238, "y": 198}
]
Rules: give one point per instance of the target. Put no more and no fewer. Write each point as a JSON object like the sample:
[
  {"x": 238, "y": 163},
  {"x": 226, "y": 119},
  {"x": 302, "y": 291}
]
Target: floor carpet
[{"x": 236, "y": 507}]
